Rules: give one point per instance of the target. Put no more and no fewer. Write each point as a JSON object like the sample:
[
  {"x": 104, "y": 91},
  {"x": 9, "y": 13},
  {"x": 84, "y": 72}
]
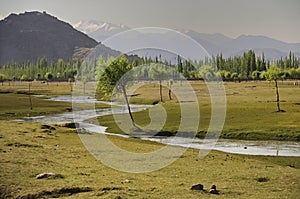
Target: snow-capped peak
[
  {"x": 99, "y": 30},
  {"x": 92, "y": 26}
]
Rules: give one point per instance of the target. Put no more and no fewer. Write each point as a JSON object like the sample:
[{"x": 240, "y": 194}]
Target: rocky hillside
[{"x": 32, "y": 35}]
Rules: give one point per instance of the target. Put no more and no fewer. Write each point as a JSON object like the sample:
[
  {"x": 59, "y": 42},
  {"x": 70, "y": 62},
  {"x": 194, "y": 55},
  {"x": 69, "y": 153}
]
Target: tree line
[
  {"x": 42, "y": 70},
  {"x": 239, "y": 68}
]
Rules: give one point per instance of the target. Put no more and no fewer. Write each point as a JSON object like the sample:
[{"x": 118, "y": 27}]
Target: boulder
[
  {"x": 48, "y": 127},
  {"x": 197, "y": 187},
  {"x": 72, "y": 125}
]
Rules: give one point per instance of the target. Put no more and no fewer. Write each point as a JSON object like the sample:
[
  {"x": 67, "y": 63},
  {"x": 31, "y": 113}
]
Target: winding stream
[{"x": 273, "y": 148}]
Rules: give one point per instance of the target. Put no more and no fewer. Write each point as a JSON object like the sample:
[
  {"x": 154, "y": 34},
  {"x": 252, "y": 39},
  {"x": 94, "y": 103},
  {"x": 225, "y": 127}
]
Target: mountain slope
[{"x": 32, "y": 35}]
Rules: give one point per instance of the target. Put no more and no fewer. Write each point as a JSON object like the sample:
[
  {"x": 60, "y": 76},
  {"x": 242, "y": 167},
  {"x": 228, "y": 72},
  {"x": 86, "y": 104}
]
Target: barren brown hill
[{"x": 32, "y": 35}]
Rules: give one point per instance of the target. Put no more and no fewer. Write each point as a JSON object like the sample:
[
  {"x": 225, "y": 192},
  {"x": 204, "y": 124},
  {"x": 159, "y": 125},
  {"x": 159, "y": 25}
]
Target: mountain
[
  {"x": 99, "y": 30},
  {"x": 32, "y": 35},
  {"x": 218, "y": 43},
  {"x": 272, "y": 48},
  {"x": 213, "y": 43},
  {"x": 210, "y": 42}
]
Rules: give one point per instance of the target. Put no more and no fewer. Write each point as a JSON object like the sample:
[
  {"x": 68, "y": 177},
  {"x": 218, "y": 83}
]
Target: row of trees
[
  {"x": 114, "y": 75},
  {"x": 41, "y": 70},
  {"x": 238, "y": 68},
  {"x": 245, "y": 67}
]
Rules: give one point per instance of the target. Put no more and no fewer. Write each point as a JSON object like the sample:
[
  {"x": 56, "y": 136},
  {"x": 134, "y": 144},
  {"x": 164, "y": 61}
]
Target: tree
[
  {"x": 2, "y": 78},
  {"x": 84, "y": 81},
  {"x": 170, "y": 83},
  {"x": 255, "y": 75},
  {"x": 48, "y": 76},
  {"x": 23, "y": 77},
  {"x": 112, "y": 79},
  {"x": 234, "y": 76},
  {"x": 158, "y": 72},
  {"x": 207, "y": 72},
  {"x": 273, "y": 74},
  {"x": 42, "y": 63},
  {"x": 70, "y": 80},
  {"x": 263, "y": 75}
]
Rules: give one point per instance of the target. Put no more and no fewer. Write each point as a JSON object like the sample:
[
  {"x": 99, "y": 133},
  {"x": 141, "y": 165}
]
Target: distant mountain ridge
[
  {"x": 99, "y": 30},
  {"x": 31, "y": 35},
  {"x": 214, "y": 43}
]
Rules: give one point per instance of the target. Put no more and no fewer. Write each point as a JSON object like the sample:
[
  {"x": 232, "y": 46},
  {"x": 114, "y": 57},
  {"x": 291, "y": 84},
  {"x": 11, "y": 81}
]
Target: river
[{"x": 249, "y": 147}]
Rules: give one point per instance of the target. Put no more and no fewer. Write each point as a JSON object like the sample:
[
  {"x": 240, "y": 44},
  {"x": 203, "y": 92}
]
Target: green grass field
[
  {"x": 28, "y": 149},
  {"x": 250, "y": 112}
]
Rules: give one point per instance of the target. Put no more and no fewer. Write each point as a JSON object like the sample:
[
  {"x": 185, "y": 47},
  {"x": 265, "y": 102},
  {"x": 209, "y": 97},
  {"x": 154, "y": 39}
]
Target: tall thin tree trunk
[
  {"x": 84, "y": 88},
  {"x": 128, "y": 106},
  {"x": 170, "y": 95},
  {"x": 277, "y": 97},
  {"x": 29, "y": 94},
  {"x": 160, "y": 91}
]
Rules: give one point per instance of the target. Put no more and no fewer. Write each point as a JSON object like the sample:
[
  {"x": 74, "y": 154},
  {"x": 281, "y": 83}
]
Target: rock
[
  {"x": 40, "y": 136},
  {"x": 213, "y": 190},
  {"x": 46, "y": 126},
  {"x": 126, "y": 181},
  {"x": 45, "y": 175},
  {"x": 72, "y": 125},
  {"x": 197, "y": 187}
]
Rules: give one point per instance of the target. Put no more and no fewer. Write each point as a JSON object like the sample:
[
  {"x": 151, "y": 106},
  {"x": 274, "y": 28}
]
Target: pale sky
[{"x": 278, "y": 19}]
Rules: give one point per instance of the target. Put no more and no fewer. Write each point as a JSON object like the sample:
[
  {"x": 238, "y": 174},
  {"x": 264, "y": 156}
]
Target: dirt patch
[
  {"x": 56, "y": 193},
  {"x": 17, "y": 144}
]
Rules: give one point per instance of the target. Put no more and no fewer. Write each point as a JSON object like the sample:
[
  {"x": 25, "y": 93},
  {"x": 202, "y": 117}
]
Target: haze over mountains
[
  {"x": 213, "y": 43},
  {"x": 31, "y": 35}
]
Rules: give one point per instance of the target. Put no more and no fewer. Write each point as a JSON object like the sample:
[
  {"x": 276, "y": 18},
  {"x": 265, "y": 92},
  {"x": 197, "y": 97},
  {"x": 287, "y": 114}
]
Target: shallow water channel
[{"x": 250, "y": 147}]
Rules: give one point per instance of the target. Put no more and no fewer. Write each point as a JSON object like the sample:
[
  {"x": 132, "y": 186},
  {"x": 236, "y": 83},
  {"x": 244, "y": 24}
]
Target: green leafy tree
[
  {"x": 112, "y": 79},
  {"x": 255, "y": 75},
  {"x": 48, "y": 76},
  {"x": 234, "y": 76},
  {"x": 2, "y": 78},
  {"x": 274, "y": 74},
  {"x": 207, "y": 72},
  {"x": 23, "y": 77}
]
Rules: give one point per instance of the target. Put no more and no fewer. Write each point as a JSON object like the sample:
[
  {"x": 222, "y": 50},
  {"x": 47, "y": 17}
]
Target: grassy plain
[
  {"x": 250, "y": 112},
  {"x": 28, "y": 149}
]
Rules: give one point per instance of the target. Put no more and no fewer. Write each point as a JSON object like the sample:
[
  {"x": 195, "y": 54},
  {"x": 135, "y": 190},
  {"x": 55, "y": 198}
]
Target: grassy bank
[
  {"x": 28, "y": 149},
  {"x": 250, "y": 112},
  {"x": 16, "y": 103}
]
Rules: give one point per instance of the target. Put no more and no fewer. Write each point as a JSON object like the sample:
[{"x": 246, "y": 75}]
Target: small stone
[
  {"x": 126, "y": 181},
  {"x": 45, "y": 175},
  {"x": 213, "y": 190},
  {"x": 197, "y": 187}
]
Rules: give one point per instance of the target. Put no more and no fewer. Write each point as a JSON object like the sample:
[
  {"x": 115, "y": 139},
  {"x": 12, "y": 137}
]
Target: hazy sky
[{"x": 279, "y": 19}]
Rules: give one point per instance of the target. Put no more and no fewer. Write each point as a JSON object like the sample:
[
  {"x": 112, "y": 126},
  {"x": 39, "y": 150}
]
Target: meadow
[
  {"x": 28, "y": 149},
  {"x": 250, "y": 110}
]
